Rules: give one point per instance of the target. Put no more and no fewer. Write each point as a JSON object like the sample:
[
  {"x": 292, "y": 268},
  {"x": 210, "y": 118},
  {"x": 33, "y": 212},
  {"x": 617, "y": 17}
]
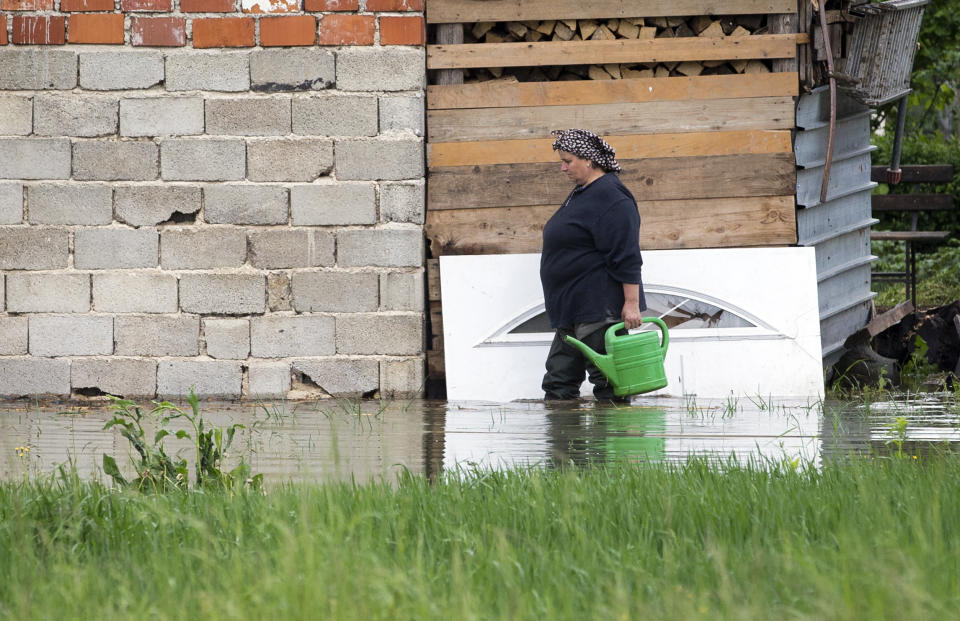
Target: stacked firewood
[{"x": 610, "y": 29}]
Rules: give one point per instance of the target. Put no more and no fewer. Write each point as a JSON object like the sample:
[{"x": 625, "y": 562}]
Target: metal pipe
[
  {"x": 822, "y": 11},
  {"x": 894, "y": 174}
]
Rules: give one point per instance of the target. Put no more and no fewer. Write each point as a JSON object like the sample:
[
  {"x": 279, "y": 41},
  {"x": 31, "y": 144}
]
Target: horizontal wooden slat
[
  {"x": 910, "y": 236},
  {"x": 911, "y": 202},
  {"x": 497, "y": 94},
  {"x": 508, "y": 185},
  {"x": 653, "y": 117},
  {"x": 454, "y": 11},
  {"x": 705, "y": 223},
  {"x": 525, "y": 54},
  {"x": 927, "y": 173},
  {"x": 440, "y": 154}
]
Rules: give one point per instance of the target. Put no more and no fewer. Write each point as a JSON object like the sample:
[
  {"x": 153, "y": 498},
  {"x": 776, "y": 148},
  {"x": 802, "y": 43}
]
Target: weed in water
[
  {"x": 731, "y": 407},
  {"x": 897, "y": 432},
  {"x": 158, "y": 471}
]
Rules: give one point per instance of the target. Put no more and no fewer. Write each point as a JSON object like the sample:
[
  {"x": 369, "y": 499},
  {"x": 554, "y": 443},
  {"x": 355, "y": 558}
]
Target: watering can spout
[{"x": 602, "y": 362}]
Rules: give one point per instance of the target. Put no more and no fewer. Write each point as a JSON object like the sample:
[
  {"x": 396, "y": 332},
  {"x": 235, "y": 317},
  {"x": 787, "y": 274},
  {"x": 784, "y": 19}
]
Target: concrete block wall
[{"x": 224, "y": 194}]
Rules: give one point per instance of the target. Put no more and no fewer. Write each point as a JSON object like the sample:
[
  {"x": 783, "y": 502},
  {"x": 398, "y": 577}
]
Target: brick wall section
[{"x": 225, "y": 194}]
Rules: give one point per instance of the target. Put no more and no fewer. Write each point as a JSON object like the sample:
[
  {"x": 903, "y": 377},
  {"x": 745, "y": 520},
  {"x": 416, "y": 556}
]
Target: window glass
[
  {"x": 686, "y": 313},
  {"x": 678, "y": 312}
]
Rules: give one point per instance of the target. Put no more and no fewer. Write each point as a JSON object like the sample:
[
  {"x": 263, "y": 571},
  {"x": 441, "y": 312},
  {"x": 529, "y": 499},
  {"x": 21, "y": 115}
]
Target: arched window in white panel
[{"x": 688, "y": 315}]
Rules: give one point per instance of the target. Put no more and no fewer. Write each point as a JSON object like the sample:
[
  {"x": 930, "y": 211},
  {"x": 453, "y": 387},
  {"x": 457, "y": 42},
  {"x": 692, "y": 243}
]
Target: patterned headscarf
[{"x": 588, "y": 146}]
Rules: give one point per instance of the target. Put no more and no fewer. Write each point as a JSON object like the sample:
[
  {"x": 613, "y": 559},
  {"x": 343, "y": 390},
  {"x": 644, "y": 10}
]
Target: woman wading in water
[{"x": 590, "y": 266}]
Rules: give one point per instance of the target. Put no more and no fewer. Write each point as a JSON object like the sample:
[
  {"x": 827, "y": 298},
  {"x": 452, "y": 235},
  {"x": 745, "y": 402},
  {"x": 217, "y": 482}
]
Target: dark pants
[{"x": 566, "y": 366}]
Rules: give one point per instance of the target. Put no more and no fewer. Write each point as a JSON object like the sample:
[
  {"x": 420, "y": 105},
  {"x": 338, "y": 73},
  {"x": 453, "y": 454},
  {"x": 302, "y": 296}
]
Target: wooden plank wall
[{"x": 708, "y": 157}]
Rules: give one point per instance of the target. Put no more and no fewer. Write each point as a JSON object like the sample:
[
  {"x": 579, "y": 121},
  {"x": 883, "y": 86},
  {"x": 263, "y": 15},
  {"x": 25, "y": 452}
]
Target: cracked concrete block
[
  {"x": 291, "y": 70},
  {"x": 341, "y": 377},
  {"x": 121, "y": 377},
  {"x": 149, "y": 205}
]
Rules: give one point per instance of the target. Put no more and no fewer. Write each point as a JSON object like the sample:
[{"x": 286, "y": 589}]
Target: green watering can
[{"x": 634, "y": 362}]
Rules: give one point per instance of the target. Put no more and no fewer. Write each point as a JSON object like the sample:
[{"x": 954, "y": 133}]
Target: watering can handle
[{"x": 664, "y": 334}]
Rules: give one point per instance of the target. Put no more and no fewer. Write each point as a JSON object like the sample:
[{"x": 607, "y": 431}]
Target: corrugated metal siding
[{"x": 839, "y": 228}]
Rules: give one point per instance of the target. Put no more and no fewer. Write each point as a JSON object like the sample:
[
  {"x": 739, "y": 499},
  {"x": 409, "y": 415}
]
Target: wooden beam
[
  {"x": 526, "y": 54},
  {"x": 450, "y": 34},
  {"x": 509, "y": 185},
  {"x": 495, "y": 94},
  {"x": 444, "y": 154},
  {"x": 652, "y": 117},
  {"x": 704, "y": 223},
  {"x": 920, "y": 173},
  {"x": 910, "y": 202},
  {"x": 449, "y": 11},
  {"x": 783, "y": 24}
]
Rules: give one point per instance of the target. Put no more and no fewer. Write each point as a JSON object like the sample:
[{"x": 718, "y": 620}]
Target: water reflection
[{"x": 329, "y": 440}]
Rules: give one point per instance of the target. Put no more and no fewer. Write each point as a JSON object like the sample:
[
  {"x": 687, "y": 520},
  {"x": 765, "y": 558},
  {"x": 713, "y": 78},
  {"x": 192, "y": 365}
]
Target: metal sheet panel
[
  {"x": 846, "y": 177},
  {"x": 839, "y": 228},
  {"x": 844, "y": 251},
  {"x": 813, "y": 109},
  {"x": 811, "y": 145},
  {"x": 817, "y": 224},
  {"x": 835, "y": 329}
]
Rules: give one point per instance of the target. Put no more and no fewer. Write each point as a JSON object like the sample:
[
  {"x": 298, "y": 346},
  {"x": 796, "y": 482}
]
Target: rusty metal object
[
  {"x": 822, "y": 12},
  {"x": 882, "y": 48}
]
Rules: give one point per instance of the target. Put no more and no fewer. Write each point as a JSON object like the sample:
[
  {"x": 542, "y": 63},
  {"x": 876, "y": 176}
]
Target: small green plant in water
[
  {"x": 159, "y": 471},
  {"x": 897, "y": 430}
]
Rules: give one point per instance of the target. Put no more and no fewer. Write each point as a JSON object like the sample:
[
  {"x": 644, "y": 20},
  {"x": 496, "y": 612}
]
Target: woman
[{"x": 590, "y": 266}]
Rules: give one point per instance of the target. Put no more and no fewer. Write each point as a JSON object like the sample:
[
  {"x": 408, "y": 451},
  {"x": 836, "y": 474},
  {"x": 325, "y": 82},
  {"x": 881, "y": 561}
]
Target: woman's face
[{"x": 577, "y": 169}]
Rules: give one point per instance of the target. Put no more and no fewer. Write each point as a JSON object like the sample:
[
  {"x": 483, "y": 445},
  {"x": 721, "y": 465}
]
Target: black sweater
[{"x": 591, "y": 246}]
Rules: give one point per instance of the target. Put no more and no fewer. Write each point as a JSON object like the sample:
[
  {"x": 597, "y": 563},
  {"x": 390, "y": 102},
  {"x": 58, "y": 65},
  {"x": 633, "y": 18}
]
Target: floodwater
[{"x": 342, "y": 440}]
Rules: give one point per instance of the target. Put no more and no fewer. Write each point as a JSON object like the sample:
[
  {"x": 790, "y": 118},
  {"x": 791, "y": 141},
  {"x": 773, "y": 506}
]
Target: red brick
[
  {"x": 223, "y": 32},
  {"x": 26, "y": 5},
  {"x": 130, "y": 6},
  {"x": 270, "y": 6},
  {"x": 331, "y": 5},
  {"x": 347, "y": 29},
  {"x": 394, "y": 5},
  {"x": 402, "y": 31},
  {"x": 99, "y": 28},
  {"x": 158, "y": 31},
  {"x": 207, "y": 6},
  {"x": 39, "y": 30},
  {"x": 76, "y": 6},
  {"x": 3, "y": 29},
  {"x": 288, "y": 31}
]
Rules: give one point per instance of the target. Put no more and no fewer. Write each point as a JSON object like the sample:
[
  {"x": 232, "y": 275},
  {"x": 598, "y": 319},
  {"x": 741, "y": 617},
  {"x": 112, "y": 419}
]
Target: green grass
[
  {"x": 866, "y": 539},
  {"x": 938, "y": 274}
]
